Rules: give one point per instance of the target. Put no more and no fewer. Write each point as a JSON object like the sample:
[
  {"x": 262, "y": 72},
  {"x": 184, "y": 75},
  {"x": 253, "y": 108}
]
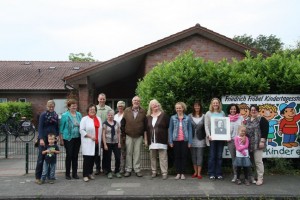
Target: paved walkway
[{"x": 14, "y": 184}]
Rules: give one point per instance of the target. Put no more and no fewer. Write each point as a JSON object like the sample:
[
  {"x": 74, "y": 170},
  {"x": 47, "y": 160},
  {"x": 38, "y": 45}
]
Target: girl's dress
[{"x": 242, "y": 153}]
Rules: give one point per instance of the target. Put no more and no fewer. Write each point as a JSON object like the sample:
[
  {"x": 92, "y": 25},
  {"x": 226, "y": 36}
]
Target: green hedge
[{"x": 6, "y": 109}]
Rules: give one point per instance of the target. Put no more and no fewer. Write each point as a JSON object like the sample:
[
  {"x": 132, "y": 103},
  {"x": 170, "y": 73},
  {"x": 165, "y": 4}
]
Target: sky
[{"x": 49, "y": 30}]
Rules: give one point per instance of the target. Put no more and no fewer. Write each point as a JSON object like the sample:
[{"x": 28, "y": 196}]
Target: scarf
[
  {"x": 112, "y": 127},
  {"x": 51, "y": 117},
  {"x": 97, "y": 125},
  {"x": 233, "y": 118}
]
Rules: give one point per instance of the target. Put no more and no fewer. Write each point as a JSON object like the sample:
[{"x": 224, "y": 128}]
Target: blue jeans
[
  {"x": 48, "y": 171},
  {"x": 215, "y": 158}
]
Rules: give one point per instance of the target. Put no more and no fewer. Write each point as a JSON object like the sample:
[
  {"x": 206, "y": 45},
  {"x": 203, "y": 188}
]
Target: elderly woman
[
  {"x": 180, "y": 138},
  {"x": 70, "y": 137},
  {"x": 91, "y": 133},
  {"x": 118, "y": 117},
  {"x": 157, "y": 137},
  {"x": 257, "y": 131},
  {"x": 48, "y": 123}
]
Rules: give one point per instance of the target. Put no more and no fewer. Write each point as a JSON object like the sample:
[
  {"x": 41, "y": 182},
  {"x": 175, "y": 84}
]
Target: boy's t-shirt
[{"x": 51, "y": 157}]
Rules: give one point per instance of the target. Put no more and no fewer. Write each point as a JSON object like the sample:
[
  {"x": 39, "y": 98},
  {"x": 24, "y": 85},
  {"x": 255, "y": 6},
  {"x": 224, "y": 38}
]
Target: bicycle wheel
[
  {"x": 27, "y": 135},
  {"x": 2, "y": 133}
]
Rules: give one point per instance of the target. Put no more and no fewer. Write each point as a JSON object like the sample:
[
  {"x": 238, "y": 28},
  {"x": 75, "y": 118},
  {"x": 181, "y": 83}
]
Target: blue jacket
[
  {"x": 174, "y": 128},
  {"x": 46, "y": 126}
]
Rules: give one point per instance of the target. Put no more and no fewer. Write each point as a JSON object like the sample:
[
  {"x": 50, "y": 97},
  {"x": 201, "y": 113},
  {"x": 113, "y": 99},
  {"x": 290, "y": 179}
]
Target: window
[
  {"x": 3, "y": 100},
  {"x": 22, "y": 100}
]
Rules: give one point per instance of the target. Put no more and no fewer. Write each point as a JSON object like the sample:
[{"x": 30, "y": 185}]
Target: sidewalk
[{"x": 15, "y": 185}]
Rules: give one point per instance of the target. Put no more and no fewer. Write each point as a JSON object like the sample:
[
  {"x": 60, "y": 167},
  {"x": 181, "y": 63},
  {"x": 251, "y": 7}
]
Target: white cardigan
[{"x": 87, "y": 144}]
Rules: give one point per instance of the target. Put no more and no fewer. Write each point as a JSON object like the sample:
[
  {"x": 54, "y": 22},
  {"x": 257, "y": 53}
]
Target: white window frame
[{"x": 3, "y": 100}]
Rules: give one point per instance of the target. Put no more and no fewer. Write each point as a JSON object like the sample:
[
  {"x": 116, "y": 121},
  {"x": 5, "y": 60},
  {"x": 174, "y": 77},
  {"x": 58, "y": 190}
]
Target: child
[
  {"x": 242, "y": 154},
  {"x": 49, "y": 165}
]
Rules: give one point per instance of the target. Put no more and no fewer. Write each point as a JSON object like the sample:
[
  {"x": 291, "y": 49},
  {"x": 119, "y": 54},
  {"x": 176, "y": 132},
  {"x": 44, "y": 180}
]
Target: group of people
[{"x": 124, "y": 133}]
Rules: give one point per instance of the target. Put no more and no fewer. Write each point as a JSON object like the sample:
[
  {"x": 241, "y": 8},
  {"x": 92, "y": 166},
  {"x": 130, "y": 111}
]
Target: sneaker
[
  {"x": 234, "y": 178},
  {"x": 212, "y": 177},
  {"x": 139, "y": 174},
  {"x": 238, "y": 181},
  {"x": 127, "y": 174},
  {"x": 86, "y": 179},
  {"x": 91, "y": 177},
  {"x": 153, "y": 175},
  {"x": 247, "y": 182},
  {"x": 220, "y": 178},
  {"x": 97, "y": 172},
  {"x": 118, "y": 175},
  {"x": 109, "y": 175},
  {"x": 259, "y": 182},
  {"x": 164, "y": 177},
  {"x": 182, "y": 177},
  {"x": 177, "y": 177},
  {"x": 252, "y": 180},
  {"x": 38, "y": 181}
]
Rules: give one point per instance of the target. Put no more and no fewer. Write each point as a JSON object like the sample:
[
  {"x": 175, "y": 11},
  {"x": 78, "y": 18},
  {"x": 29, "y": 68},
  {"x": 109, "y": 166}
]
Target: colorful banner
[{"x": 283, "y": 113}]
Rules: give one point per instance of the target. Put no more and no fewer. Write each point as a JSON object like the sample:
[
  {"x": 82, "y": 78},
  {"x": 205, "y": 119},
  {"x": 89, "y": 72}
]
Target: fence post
[
  {"x": 27, "y": 156},
  {"x": 6, "y": 147}
]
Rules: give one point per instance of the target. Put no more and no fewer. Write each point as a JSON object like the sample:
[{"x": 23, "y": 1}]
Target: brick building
[{"x": 117, "y": 77}]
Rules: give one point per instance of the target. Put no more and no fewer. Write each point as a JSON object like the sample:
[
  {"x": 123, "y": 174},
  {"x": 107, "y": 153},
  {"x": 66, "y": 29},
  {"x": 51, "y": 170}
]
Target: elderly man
[
  {"x": 134, "y": 125},
  {"x": 102, "y": 110}
]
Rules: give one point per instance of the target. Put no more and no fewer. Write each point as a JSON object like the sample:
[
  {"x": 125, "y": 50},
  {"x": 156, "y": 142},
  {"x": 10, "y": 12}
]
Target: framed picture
[{"x": 220, "y": 128}]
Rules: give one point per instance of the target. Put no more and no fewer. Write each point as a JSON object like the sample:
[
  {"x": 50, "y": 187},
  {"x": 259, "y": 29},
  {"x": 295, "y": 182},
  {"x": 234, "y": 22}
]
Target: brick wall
[{"x": 202, "y": 47}]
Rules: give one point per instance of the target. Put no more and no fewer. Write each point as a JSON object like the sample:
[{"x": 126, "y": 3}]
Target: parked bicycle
[{"x": 23, "y": 128}]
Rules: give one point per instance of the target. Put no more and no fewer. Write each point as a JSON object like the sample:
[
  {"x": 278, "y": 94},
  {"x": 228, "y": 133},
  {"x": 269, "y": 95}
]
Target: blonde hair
[
  {"x": 152, "y": 102},
  {"x": 268, "y": 106},
  {"x": 49, "y": 103},
  {"x": 183, "y": 105},
  {"x": 241, "y": 127},
  {"x": 211, "y": 109}
]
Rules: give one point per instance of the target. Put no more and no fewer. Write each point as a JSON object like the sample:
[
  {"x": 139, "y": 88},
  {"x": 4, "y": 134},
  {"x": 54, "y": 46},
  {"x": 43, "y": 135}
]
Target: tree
[
  {"x": 81, "y": 57},
  {"x": 265, "y": 44}
]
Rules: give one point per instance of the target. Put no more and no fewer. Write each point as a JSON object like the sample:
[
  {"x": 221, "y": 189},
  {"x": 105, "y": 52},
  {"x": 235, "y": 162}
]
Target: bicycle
[{"x": 23, "y": 128}]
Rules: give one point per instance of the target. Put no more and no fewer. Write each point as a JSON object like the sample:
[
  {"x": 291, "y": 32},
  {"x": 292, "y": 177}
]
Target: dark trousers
[
  {"x": 39, "y": 163},
  {"x": 113, "y": 148},
  {"x": 88, "y": 163},
  {"x": 180, "y": 155},
  {"x": 215, "y": 158},
  {"x": 72, "y": 150},
  {"x": 97, "y": 157},
  {"x": 238, "y": 172}
]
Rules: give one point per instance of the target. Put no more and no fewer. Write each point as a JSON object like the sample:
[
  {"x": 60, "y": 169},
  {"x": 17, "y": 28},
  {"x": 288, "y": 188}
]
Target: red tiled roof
[{"x": 38, "y": 75}]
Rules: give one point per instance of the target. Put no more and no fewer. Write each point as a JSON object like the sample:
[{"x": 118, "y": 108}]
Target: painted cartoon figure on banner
[
  {"x": 269, "y": 111},
  {"x": 288, "y": 125},
  {"x": 244, "y": 111}
]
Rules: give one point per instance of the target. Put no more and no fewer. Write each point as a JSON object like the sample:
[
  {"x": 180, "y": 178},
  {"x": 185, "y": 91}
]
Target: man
[
  {"x": 220, "y": 127},
  {"x": 102, "y": 110},
  {"x": 133, "y": 125}
]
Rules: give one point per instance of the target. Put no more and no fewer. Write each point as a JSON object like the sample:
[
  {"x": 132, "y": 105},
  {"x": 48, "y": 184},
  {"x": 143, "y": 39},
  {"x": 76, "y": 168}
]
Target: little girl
[{"x": 242, "y": 155}]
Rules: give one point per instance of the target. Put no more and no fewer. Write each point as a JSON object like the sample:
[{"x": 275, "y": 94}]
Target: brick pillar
[{"x": 84, "y": 98}]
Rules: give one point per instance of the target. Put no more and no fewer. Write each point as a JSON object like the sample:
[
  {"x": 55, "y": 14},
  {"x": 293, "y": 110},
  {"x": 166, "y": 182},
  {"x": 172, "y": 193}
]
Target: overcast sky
[{"x": 49, "y": 30}]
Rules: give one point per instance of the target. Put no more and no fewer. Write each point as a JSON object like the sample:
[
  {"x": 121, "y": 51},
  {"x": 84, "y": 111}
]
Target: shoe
[
  {"x": 86, "y": 179},
  {"x": 194, "y": 176},
  {"x": 127, "y": 174},
  {"x": 259, "y": 182},
  {"x": 252, "y": 180},
  {"x": 288, "y": 145},
  {"x": 177, "y": 177},
  {"x": 220, "y": 178},
  {"x": 38, "y": 181},
  {"x": 199, "y": 177},
  {"x": 182, "y": 177},
  {"x": 294, "y": 144},
  {"x": 68, "y": 177},
  {"x": 153, "y": 175},
  {"x": 273, "y": 144},
  {"x": 75, "y": 176},
  {"x": 234, "y": 179},
  {"x": 247, "y": 182},
  {"x": 109, "y": 175},
  {"x": 238, "y": 181},
  {"x": 91, "y": 177},
  {"x": 164, "y": 177},
  {"x": 51, "y": 181},
  {"x": 139, "y": 174},
  {"x": 118, "y": 175},
  {"x": 212, "y": 177},
  {"x": 97, "y": 172},
  {"x": 43, "y": 181}
]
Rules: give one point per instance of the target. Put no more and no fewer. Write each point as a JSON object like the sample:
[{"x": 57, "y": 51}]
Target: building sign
[{"x": 283, "y": 113}]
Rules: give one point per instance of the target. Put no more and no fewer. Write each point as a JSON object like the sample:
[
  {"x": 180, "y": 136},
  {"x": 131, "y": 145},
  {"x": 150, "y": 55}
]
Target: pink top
[
  {"x": 240, "y": 146},
  {"x": 180, "y": 132}
]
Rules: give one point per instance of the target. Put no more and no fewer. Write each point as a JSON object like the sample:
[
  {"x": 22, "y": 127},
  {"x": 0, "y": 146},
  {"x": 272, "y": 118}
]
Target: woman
[
  {"x": 112, "y": 143},
  {"x": 257, "y": 131},
  {"x": 118, "y": 117},
  {"x": 70, "y": 137},
  {"x": 198, "y": 144},
  {"x": 48, "y": 123},
  {"x": 157, "y": 137},
  {"x": 216, "y": 146},
  {"x": 236, "y": 120},
  {"x": 180, "y": 137},
  {"x": 91, "y": 133}
]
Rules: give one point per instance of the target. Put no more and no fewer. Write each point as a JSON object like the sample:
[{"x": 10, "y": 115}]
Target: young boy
[{"x": 49, "y": 165}]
